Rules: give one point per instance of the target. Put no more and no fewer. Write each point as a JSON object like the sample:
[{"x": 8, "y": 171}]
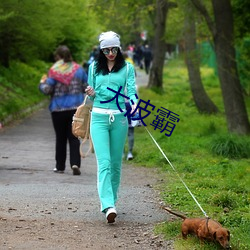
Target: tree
[
  {"x": 28, "y": 33},
  {"x": 242, "y": 33},
  {"x": 223, "y": 38},
  {"x": 127, "y": 17},
  {"x": 201, "y": 99},
  {"x": 159, "y": 44},
  {"x": 241, "y": 17}
]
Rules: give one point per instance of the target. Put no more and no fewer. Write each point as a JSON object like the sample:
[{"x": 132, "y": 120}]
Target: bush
[
  {"x": 224, "y": 200},
  {"x": 19, "y": 88},
  {"x": 230, "y": 146}
]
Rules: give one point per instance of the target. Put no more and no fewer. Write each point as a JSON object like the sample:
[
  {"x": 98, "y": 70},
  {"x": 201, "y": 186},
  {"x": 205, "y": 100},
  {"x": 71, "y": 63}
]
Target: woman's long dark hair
[{"x": 102, "y": 67}]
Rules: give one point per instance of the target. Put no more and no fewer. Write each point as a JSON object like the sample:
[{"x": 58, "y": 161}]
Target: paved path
[
  {"x": 30, "y": 192},
  {"x": 27, "y": 160},
  {"x": 26, "y": 163},
  {"x": 141, "y": 78}
]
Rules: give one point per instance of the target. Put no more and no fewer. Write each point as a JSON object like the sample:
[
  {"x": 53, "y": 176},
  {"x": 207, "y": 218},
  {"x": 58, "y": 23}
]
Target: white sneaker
[
  {"x": 130, "y": 156},
  {"x": 111, "y": 214},
  {"x": 58, "y": 171}
]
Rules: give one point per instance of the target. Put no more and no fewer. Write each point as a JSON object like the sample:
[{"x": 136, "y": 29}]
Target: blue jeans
[{"x": 108, "y": 139}]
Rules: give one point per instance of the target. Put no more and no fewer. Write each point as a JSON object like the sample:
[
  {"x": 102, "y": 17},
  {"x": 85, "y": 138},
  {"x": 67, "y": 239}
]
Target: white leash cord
[{"x": 177, "y": 173}]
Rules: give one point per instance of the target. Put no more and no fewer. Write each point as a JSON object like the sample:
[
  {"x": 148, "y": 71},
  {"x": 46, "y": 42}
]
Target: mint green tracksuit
[{"x": 109, "y": 132}]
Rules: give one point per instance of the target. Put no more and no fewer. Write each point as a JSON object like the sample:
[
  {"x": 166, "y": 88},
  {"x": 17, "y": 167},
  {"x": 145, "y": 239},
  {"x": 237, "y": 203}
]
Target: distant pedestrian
[
  {"x": 147, "y": 54},
  {"x": 109, "y": 126},
  {"x": 130, "y": 127},
  {"x": 93, "y": 55},
  {"x": 131, "y": 138},
  {"x": 138, "y": 55},
  {"x": 65, "y": 84}
]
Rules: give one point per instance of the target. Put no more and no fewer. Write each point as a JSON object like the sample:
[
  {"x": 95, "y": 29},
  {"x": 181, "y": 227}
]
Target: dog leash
[{"x": 177, "y": 173}]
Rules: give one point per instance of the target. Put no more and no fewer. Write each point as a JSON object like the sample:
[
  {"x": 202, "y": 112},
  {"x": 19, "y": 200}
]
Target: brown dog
[{"x": 204, "y": 229}]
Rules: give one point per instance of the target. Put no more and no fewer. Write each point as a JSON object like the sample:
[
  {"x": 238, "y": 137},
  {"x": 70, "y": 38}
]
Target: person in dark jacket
[{"x": 147, "y": 54}]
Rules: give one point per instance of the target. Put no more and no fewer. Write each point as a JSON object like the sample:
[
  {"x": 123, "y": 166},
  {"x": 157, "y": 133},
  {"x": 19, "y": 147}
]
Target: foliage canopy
[{"x": 28, "y": 33}]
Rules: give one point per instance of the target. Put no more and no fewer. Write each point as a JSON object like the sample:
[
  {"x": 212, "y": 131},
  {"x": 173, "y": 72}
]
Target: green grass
[
  {"x": 19, "y": 88},
  {"x": 214, "y": 165}
]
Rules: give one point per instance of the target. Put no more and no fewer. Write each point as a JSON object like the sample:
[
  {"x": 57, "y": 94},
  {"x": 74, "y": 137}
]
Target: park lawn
[{"x": 214, "y": 164}]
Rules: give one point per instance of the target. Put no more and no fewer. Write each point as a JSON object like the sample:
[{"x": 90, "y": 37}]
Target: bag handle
[
  {"x": 85, "y": 99},
  {"x": 91, "y": 148},
  {"x": 85, "y": 139}
]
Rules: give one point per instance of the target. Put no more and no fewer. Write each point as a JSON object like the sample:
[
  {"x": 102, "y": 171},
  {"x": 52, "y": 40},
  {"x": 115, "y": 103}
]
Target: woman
[
  {"x": 109, "y": 126},
  {"x": 65, "y": 83}
]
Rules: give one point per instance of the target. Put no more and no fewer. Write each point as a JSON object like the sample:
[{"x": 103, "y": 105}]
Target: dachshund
[{"x": 204, "y": 229}]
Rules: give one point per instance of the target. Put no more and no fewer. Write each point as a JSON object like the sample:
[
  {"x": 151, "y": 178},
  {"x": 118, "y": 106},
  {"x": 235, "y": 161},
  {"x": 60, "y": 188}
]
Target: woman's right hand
[{"x": 90, "y": 91}]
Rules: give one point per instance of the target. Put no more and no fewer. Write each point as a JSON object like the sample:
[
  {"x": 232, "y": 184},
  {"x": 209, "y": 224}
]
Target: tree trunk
[
  {"x": 223, "y": 38},
  {"x": 159, "y": 46},
  {"x": 235, "y": 109},
  {"x": 201, "y": 99}
]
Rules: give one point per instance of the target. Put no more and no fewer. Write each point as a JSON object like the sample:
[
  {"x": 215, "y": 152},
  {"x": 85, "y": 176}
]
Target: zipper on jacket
[{"x": 109, "y": 87}]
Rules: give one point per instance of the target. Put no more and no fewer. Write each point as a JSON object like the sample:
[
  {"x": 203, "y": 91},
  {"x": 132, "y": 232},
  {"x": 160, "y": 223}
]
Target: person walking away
[
  {"x": 130, "y": 127},
  {"x": 109, "y": 126},
  {"x": 65, "y": 84},
  {"x": 131, "y": 131},
  {"x": 139, "y": 56},
  {"x": 93, "y": 55},
  {"x": 147, "y": 54}
]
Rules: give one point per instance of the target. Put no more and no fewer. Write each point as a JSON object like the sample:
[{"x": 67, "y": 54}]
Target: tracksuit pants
[{"x": 108, "y": 133}]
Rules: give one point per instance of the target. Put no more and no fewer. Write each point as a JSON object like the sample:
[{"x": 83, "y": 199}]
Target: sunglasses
[{"x": 106, "y": 51}]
